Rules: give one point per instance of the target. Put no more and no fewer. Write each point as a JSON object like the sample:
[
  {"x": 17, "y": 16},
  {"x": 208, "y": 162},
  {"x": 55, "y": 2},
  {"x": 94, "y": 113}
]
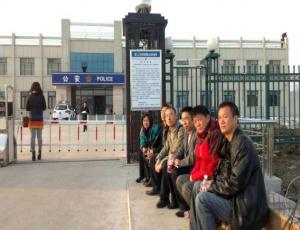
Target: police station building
[
  {"x": 87, "y": 63},
  {"x": 59, "y": 63}
]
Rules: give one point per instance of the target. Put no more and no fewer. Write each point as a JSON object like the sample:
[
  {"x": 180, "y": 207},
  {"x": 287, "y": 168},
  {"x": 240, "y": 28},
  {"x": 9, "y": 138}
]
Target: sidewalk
[
  {"x": 69, "y": 194},
  {"x": 145, "y": 215}
]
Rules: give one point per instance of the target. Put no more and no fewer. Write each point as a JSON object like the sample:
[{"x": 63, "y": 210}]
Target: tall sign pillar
[{"x": 145, "y": 70}]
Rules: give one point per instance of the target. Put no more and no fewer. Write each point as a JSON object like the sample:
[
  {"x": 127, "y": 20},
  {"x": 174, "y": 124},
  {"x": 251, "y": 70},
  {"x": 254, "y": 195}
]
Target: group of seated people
[{"x": 206, "y": 168}]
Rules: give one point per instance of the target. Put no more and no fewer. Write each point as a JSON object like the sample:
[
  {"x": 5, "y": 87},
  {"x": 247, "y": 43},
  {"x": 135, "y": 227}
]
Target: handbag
[{"x": 25, "y": 121}]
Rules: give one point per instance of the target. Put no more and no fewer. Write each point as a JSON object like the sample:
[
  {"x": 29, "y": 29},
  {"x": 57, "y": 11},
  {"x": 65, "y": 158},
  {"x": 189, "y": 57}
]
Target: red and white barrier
[{"x": 105, "y": 135}]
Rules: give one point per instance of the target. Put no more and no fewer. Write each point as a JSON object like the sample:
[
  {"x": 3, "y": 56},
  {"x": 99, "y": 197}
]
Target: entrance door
[{"x": 99, "y": 104}]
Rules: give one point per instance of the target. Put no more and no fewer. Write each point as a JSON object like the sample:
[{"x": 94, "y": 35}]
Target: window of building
[
  {"x": 274, "y": 97},
  {"x": 2, "y": 95},
  {"x": 182, "y": 99},
  {"x": 252, "y": 98},
  {"x": 252, "y": 66},
  {"x": 95, "y": 62},
  {"x": 229, "y": 95},
  {"x": 229, "y": 66},
  {"x": 274, "y": 66},
  {"x": 203, "y": 95},
  {"x": 26, "y": 66},
  {"x": 3, "y": 66},
  {"x": 53, "y": 65},
  {"x": 23, "y": 99},
  {"x": 51, "y": 99}
]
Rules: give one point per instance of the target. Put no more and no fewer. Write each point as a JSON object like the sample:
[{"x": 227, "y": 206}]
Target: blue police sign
[{"x": 88, "y": 78}]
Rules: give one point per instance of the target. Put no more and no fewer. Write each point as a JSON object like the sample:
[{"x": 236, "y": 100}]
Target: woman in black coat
[{"x": 36, "y": 104}]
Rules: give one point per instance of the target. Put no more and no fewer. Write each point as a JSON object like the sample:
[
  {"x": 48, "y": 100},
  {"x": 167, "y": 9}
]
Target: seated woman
[{"x": 148, "y": 140}]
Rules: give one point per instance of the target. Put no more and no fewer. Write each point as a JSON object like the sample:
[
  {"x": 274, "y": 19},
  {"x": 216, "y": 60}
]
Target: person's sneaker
[
  {"x": 162, "y": 203},
  {"x": 152, "y": 192},
  {"x": 179, "y": 213},
  {"x": 172, "y": 205},
  {"x": 139, "y": 180}
]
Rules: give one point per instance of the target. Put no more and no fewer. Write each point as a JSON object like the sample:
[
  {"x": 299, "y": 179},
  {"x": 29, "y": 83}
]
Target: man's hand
[
  {"x": 177, "y": 162},
  {"x": 191, "y": 179},
  {"x": 208, "y": 185},
  {"x": 149, "y": 154},
  {"x": 158, "y": 166}
]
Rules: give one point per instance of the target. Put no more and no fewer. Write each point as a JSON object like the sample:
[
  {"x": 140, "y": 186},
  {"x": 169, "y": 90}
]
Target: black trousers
[
  {"x": 176, "y": 196},
  {"x": 164, "y": 185},
  {"x": 154, "y": 176},
  {"x": 143, "y": 166}
]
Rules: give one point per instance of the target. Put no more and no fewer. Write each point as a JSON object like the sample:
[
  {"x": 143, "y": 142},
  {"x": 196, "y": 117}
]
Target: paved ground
[
  {"x": 145, "y": 215},
  {"x": 64, "y": 195},
  {"x": 89, "y": 194}
]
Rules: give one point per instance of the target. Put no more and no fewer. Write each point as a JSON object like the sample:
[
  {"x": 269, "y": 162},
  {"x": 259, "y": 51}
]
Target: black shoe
[
  {"x": 138, "y": 180},
  {"x": 152, "y": 192},
  {"x": 162, "y": 203},
  {"x": 172, "y": 205},
  {"x": 33, "y": 156},
  {"x": 180, "y": 213},
  {"x": 40, "y": 155}
]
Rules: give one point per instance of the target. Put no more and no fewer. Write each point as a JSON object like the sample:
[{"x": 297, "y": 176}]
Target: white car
[{"x": 63, "y": 112}]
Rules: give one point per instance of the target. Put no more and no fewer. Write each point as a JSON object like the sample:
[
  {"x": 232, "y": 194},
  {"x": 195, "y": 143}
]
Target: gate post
[
  {"x": 267, "y": 92},
  {"x": 143, "y": 31},
  {"x": 211, "y": 70}
]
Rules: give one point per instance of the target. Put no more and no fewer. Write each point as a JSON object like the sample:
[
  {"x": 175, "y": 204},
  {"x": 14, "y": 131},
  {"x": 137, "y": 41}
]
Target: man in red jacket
[{"x": 206, "y": 158}]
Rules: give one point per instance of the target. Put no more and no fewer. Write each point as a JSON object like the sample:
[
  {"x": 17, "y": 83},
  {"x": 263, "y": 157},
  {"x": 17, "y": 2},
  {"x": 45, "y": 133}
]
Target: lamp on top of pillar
[
  {"x": 168, "y": 48},
  {"x": 144, "y": 7},
  {"x": 212, "y": 45}
]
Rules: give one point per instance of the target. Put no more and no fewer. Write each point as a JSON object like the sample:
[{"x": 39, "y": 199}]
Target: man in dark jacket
[
  {"x": 237, "y": 194},
  {"x": 85, "y": 111}
]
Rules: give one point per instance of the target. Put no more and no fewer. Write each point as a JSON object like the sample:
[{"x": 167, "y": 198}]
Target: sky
[{"x": 226, "y": 19}]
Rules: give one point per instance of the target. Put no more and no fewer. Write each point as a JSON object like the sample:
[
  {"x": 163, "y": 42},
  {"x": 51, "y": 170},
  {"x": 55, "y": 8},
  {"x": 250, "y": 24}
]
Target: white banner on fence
[{"x": 145, "y": 79}]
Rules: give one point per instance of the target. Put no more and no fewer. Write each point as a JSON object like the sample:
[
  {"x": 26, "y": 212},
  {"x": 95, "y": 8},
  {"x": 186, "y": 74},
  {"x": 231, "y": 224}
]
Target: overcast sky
[{"x": 228, "y": 19}]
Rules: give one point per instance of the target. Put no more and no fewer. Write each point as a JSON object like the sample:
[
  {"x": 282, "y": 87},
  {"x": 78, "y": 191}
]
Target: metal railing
[
  {"x": 68, "y": 135},
  {"x": 266, "y": 93},
  {"x": 262, "y": 134}
]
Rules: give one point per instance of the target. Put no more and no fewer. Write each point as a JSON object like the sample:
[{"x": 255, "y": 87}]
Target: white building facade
[{"x": 100, "y": 48}]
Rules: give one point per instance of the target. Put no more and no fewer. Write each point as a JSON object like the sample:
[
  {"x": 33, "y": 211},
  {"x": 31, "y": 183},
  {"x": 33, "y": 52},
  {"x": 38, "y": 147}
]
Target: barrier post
[
  {"x": 87, "y": 136},
  {"x": 96, "y": 138},
  {"x": 78, "y": 130},
  {"x": 114, "y": 136},
  {"x": 21, "y": 137},
  {"x": 59, "y": 137},
  {"x": 123, "y": 137},
  {"x": 50, "y": 132},
  {"x": 69, "y": 136},
  {"x": 105, "y": 136}
]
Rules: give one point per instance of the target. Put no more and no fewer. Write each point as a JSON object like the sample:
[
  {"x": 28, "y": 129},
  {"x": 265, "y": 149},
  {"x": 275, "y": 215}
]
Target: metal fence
[
  {"x": 66, "y": 136},
  {"x": 262, "y": 134},
  {"x": 261, "y": 93}
]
